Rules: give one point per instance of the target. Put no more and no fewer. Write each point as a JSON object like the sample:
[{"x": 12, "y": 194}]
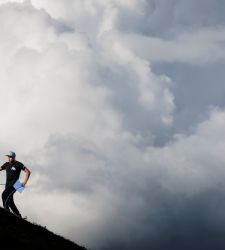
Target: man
[{"x": 13, "y": 169}]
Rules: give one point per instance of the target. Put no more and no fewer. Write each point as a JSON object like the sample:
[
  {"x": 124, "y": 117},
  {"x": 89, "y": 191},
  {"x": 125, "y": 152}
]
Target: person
[{"x": 13, "y": 169}]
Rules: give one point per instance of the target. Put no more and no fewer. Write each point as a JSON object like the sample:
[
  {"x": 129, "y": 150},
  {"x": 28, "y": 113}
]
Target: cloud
[
  {"x": 205, "y": 46},
  {"x": 195, "y": 48},
  {"x": 115, "y": 162},
  {"x": 135, "y": 196}
]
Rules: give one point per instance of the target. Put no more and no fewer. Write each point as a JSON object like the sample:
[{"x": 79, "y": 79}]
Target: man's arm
[
  {"x": 27, "y": 176},
  {"x": 2, "y": 167}
]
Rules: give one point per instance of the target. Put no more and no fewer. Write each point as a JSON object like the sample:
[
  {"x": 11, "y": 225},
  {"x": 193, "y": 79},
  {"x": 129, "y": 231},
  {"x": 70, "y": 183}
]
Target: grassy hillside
[{"x": 16, "y": 232}]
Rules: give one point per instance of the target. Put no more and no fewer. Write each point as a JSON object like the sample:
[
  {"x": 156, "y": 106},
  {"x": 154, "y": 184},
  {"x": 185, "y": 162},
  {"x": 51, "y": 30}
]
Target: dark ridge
[{"x": 17, "y": 232}]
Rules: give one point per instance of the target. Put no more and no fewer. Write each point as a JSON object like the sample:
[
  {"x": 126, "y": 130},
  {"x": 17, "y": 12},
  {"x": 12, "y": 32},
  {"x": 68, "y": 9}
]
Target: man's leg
[
  {"x": 8, "y": 202},
  {"x": 5, "y": 196},
  {"x": 13, "y": 206}
]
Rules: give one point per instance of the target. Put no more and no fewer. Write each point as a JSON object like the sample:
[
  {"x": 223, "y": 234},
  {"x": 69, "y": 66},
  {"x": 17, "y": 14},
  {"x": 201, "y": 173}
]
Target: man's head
[{"x": 11, "y": 155}]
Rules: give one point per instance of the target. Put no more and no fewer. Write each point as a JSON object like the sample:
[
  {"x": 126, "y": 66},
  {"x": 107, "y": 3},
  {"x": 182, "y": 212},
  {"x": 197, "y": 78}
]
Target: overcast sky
[{"x": 118, "y": 109}]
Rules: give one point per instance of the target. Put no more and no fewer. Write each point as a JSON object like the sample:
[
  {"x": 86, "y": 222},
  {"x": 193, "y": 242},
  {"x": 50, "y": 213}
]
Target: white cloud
[
  {"x": 61, "y": 99},
  {"x": 82, "y": 107},
  {"x": 205, "y": 46}
]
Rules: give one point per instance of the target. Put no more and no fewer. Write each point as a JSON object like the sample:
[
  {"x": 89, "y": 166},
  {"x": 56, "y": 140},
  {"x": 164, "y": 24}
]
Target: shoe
[{"x": 18, "y": 215}]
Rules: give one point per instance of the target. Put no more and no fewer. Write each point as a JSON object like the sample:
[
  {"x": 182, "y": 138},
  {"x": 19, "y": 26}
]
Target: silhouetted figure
[{"x": 13, "y": 169}]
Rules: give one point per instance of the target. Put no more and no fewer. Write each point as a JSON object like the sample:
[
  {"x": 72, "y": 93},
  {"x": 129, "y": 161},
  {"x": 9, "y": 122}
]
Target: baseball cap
[{"x": 11, "y": 154}]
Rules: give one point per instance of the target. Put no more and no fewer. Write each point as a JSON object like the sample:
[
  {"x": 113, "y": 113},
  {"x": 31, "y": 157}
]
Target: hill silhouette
[{"x": 22, "y": 234}]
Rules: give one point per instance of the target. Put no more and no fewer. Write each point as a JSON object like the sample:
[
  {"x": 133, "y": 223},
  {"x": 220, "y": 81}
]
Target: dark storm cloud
[{"x": 179, "y": 223}]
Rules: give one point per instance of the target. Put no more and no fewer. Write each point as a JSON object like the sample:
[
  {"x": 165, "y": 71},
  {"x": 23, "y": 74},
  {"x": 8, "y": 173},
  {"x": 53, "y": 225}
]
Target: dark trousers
[{"x": 7, "y": 199}]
